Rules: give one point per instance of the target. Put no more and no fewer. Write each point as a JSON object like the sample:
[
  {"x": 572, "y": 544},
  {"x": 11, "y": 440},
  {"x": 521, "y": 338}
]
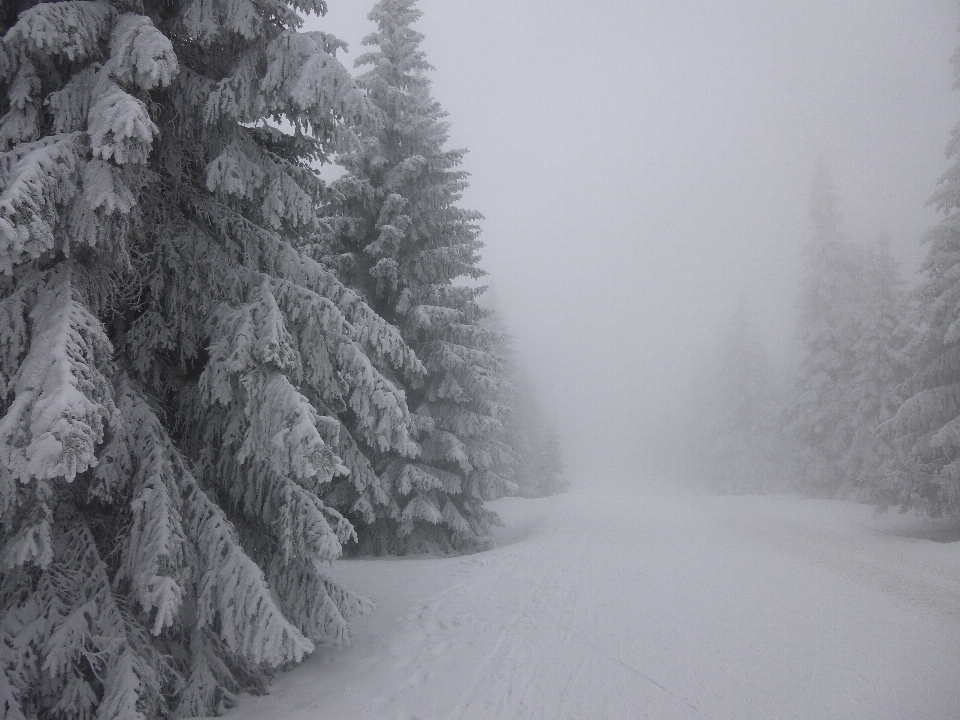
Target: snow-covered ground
[{"x": 652, "y": 607}]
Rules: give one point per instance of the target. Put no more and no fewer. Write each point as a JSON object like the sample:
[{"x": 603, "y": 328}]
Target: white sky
[{"x": 642, "y": 164}]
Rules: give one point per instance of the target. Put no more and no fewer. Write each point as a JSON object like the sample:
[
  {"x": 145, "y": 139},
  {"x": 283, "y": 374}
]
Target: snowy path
[{"x": 612, "y": 607}]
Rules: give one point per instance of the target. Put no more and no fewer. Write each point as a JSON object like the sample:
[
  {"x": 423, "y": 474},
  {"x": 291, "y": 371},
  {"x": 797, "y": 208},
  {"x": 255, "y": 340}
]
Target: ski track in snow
[{"x": 651, "y": 607}]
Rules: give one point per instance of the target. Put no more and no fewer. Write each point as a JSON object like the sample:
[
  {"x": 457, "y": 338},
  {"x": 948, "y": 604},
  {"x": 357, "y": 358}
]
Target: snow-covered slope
[{"x": 663, "y": 607}]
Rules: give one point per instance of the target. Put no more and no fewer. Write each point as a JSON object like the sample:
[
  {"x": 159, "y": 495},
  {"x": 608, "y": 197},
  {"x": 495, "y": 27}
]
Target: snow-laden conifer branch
[
  {"x": 939, "y": 371},
  {"x": 119, "y": 125},
  {"x": 104, "y": 211},
  {"x": 60, "y": 407},
  {"x": 72, "y": 30},
  {"x": 14, "y": 334},
  {"x": 141, "y": 56},
  {"x": 62, "y": 400},
  {"x": 409, "y": 476},
  {"x": 275, "y": 441},
  {"x": 379, "y": 406},
  {"x": 211, "y": 21},
  {"x": 87, "y": 657},
  {"x": 485, "y": 484},
  {"x": 21, "y": 634},
  {"x": 316, "y": 327},
  {"x": 282, "y": 194},
  {"x": 471, "y": 364},
  {"x": 463, "y": 422},
  {"x": 154, "y": 552},
  {"x": 421, "y": 508},
  {"x": 21, "y": 123},
  {"x": 364, "y": 490},
  {"x": 303, "y": 84},
  {"x": 70, "y": 104},
  {"x": 323, "y": 609},
  {"x": 376, "y": 335},
  {"x": 446, "y": 448},
  {"x": 231, "y": 590},
  {"x": 39, "y": 180},
  {"x": 932, "y": 407},
  {"x": 180, "y": 540}
]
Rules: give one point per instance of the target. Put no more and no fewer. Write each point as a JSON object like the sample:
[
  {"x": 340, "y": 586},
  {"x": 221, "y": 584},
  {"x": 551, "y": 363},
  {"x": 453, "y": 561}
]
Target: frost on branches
[
  {"x": 173, "y": 363},
  {"x": 402, "y": 240}
]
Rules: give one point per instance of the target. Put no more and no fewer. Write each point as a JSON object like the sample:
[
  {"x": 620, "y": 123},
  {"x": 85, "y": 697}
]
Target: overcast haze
[{"x": 642, "y": 164}]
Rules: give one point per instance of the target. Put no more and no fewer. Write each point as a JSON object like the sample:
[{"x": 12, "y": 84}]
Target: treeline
[
  {"x": 872, "y": 411},
  {"x": 218, "y": 372}
]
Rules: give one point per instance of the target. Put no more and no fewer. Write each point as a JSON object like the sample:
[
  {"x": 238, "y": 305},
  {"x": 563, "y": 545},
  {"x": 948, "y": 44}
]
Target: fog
[{"x": 641, "y": 165}]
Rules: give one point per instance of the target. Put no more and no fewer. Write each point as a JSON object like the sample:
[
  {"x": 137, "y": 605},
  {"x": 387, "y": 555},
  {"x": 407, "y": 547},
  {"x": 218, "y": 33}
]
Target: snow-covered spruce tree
[
  {"x": 831, "y": 291},
  {"x": 871, "y": 388},
  {"x": 170, "y": 358},
  {"x": 925, "y": 430},
  {"x": 745, "y": 453},
  {"x": 404, "y": 242}
]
